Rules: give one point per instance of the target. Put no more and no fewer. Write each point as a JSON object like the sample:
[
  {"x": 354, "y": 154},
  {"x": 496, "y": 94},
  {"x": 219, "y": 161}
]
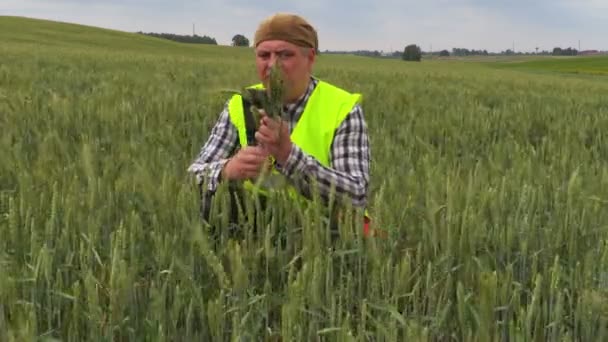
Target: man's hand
[
  {"x": 273, "y": 135},
  {"x": 246, "y": 164}
]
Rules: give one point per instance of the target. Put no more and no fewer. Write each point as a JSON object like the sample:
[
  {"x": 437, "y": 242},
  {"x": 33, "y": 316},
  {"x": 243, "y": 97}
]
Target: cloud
[{"x": 357, "y": 24}]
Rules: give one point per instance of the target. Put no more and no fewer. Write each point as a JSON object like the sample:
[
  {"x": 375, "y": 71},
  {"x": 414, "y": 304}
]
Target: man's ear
[{"x": 312, "y": 56}]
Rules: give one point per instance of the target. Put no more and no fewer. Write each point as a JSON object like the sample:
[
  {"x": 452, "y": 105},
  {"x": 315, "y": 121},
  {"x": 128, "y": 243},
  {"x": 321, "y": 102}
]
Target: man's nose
[{"x": 272, "y": 60}]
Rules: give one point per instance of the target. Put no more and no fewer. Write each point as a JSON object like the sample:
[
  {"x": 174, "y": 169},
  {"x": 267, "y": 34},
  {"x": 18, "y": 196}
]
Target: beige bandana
[{"x": 287, "y": 27}]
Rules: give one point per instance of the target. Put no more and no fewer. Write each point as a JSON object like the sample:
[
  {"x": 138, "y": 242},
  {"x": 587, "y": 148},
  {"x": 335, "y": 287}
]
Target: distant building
[{"x": 588, "y": 53}]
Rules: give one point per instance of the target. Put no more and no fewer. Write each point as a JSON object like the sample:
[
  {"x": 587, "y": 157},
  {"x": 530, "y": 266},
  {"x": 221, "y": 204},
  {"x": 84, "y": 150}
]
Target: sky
[{"x": 387, "y": 25}]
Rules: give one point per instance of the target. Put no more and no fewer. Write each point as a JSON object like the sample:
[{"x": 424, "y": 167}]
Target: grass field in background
[
  {"x": 592, "y": 65},
  {"x": 491, "y": 183}
]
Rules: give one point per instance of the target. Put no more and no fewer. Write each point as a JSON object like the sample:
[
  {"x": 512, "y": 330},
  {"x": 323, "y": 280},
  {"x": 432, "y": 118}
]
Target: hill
[{"x": 38, "y": 33}]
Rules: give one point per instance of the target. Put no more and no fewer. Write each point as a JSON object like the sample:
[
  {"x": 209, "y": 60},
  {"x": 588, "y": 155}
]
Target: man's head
[{"x": 292, "y": 42}]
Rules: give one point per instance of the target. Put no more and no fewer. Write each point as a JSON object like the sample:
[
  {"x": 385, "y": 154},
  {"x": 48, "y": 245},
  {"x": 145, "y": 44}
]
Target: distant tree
[
  {"x": 564, "y": 52},
  {"x": 240, "y": 40},
  {"x": 195, "y": 39},
  {"x": 412, "y": 52},
  {"x": 444, "y": 53},
  {"x": 461, "y": 52},
  {"x": 557, "y": 51}
]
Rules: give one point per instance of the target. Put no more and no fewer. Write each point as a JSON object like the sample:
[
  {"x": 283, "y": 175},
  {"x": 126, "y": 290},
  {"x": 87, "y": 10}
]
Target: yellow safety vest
[{"x": 325, "y": 110}]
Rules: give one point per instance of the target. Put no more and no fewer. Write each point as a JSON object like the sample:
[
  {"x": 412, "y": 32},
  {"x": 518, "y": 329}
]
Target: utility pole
[{"x": 193, "y": 34}]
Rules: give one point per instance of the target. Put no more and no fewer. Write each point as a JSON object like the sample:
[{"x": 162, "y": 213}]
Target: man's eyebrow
[{"x": 281, "y": 51}]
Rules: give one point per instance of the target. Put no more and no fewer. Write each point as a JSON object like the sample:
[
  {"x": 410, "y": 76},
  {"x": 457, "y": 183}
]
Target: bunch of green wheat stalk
[{"x": 270, "y": 100}]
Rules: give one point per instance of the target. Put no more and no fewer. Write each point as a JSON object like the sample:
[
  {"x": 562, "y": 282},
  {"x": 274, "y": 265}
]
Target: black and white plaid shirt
[{"x": 349, "y": 156}]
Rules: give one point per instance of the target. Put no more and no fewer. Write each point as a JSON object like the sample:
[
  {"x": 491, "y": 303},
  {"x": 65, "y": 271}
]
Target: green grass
[
  {"x": 592, "y": 65},
  {"x": 491, "y": 183}
]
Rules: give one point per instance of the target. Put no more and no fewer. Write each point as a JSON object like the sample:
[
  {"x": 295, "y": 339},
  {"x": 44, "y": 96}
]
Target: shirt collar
[{"x": 294, "y": 107}]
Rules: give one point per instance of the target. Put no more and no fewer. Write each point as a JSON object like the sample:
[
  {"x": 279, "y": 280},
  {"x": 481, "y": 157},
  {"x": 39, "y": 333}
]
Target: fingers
[
  {"x": 266, "y": 135},
  {"x": 254, "y": 151},
  {"x": 246, "y": 168},
  {"x": 247, "y": 174},
  {"x": 273, "y": 124},
  {"x": 252, "y": 160},
  {"x": 250, "y": 170},
  {"x": 248, "y": 163},
  {"x": 252, "y": 157}
]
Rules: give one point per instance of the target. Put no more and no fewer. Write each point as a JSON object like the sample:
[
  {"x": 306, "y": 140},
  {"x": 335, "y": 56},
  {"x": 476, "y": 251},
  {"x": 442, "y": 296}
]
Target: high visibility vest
[{"x": 325, "y": 110}]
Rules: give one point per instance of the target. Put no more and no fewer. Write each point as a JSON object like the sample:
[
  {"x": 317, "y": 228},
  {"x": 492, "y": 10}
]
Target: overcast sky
[{"x": 494, "y": 25}]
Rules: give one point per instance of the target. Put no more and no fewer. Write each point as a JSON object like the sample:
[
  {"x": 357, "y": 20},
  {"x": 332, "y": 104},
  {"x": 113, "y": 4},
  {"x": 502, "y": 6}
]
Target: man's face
[{"x": 296, "y": 63}]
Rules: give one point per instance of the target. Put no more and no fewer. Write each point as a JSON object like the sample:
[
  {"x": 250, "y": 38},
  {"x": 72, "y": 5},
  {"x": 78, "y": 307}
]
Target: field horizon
[{"x": 72, "y": 29}]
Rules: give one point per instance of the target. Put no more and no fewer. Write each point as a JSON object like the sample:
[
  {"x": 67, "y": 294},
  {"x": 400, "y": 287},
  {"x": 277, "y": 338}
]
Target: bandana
[{"x": 287, "y": 27}]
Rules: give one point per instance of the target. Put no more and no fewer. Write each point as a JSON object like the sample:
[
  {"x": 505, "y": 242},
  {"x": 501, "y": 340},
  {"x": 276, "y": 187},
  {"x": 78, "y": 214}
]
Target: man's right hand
[{"x": 246, "y": 164}]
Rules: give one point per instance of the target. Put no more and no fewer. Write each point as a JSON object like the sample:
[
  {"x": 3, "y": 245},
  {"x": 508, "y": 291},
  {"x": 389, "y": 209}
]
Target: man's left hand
[{"x": 273, "y": 135}]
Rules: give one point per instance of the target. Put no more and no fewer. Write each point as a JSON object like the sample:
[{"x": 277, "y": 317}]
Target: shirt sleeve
[
  {"x": 222, "y": 142},
  {"x": 348, "y": 173}
]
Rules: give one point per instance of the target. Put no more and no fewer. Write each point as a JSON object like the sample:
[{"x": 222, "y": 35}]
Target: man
[{"x": 322, "y": 140}]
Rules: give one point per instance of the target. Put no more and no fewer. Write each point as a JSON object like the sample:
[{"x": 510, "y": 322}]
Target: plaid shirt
[{"x": 349, "y": 156}]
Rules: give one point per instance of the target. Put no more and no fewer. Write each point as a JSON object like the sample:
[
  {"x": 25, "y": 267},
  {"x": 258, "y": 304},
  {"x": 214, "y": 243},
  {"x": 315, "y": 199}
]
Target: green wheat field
[{"x": 491, "y": 182}]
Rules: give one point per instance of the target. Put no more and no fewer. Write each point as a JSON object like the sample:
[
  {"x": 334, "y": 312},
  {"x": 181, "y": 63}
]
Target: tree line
[
  {"x": 564, "y": 52},
  {"x": 194, "y": 39},
  {"x": 414, "y": 53},
  {"x": 237, "y": 39},
  {"x": 411, "y": 52}
]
